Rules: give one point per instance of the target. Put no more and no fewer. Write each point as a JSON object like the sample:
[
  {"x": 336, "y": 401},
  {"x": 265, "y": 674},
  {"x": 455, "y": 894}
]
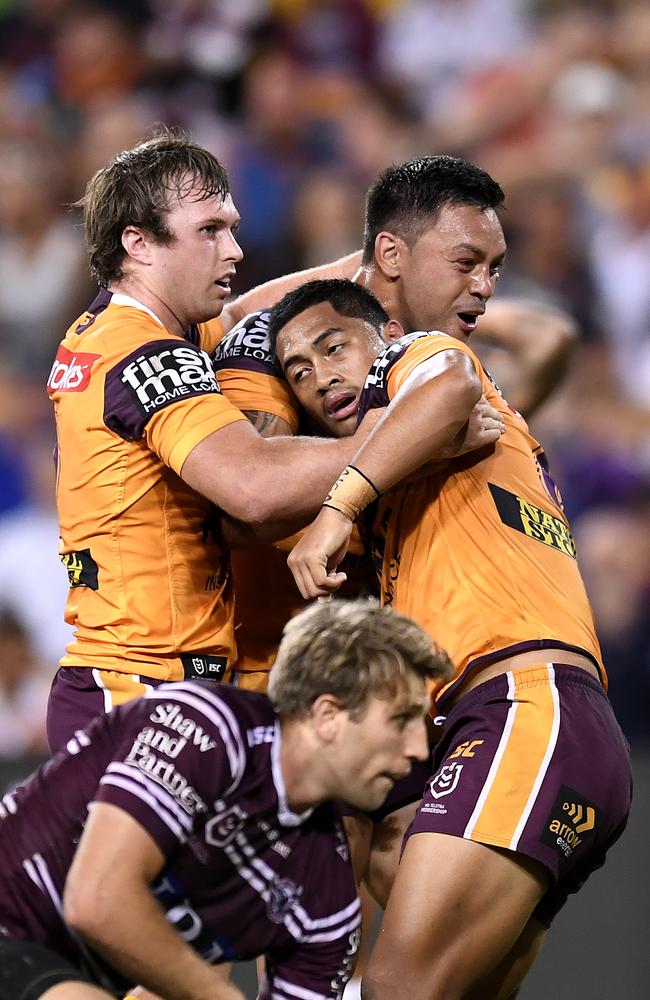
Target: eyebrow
[
  {"x": 294, "y": 358},
  {"x": 470, "y": 248}
]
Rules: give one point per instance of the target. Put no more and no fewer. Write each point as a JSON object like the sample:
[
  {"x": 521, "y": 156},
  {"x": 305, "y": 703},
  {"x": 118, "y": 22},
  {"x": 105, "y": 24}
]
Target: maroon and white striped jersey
[{"x": 197, "y": 765}]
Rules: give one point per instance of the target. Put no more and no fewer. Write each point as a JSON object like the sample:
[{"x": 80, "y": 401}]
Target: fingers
[{"x": 313, "y": 580}]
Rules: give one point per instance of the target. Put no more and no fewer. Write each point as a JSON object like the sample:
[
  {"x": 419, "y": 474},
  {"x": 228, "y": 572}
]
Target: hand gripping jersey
[
  {"x": 197, "y": 766},
  {"x": 479, "y": 552},
  {"x": 149, "y": 581},
  {"x": 266, "y": 593}
]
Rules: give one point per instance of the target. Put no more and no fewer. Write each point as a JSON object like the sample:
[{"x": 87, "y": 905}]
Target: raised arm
[
  {"x": 108, "y": 901},
  {"x": 266, "y": 295},
  {"x": 527, "y": 346}
]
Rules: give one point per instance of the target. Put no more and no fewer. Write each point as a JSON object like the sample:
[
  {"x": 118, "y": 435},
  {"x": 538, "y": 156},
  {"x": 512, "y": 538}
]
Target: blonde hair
[{"x": 352, "y": 650}]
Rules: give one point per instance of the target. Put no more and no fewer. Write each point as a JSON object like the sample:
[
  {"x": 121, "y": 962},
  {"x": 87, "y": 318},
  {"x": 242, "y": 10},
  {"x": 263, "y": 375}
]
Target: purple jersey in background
[{"x": 198, "y": 767}]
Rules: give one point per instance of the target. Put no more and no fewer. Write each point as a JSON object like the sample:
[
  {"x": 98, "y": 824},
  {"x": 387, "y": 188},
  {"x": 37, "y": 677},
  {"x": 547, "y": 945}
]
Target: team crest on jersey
[
  {"x": 162, "y": 373},
  {"x": 446, "y": 780},
  {"x": 70, "y": 371},
  {"x": 224, "y": 827},
  {"x": 283, "y": 896}
]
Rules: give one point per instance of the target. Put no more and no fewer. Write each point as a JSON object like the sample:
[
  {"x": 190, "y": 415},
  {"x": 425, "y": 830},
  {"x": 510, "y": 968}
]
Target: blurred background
[{"x": 305, "y": 101}]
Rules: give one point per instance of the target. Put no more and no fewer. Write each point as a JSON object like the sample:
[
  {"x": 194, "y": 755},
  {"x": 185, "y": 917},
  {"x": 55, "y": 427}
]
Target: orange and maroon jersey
[
  {"x": 265, "y": 590},
  {"x": 249, "y": 374},
  {"x": 479, "y": 552},
  {"x": 150, "y": 590}
]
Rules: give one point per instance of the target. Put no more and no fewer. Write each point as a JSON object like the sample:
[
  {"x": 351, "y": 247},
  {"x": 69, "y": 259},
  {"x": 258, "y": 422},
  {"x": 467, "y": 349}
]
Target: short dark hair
[
  {"x": 406, "y": 198},
  {"x": 136, "y": 189},
  {"x": 346, "y": 298}
]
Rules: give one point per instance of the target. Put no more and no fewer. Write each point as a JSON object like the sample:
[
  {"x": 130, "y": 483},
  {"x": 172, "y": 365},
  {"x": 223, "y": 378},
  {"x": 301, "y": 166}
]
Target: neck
[
  {"x": 299, "y": 763},
  {"x": 386, "y": 291},
  {"x": 140, "y": 291}
]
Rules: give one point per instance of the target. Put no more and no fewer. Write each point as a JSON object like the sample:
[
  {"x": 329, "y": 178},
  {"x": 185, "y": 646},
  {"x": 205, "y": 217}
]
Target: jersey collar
[{"x": 286, "y": 815}]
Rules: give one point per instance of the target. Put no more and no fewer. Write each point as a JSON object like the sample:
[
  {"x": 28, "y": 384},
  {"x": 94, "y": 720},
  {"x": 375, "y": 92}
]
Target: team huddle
[{"x": 233, "y": 761}]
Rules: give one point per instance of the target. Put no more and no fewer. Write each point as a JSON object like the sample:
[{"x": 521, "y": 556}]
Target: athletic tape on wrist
[{"x": 351, "y": 493}]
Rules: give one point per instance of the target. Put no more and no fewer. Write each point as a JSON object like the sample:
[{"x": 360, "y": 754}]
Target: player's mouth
[
  {"x": 341, "y": 405},
  {"x": 224, "y": 283},
  {"x": 468, "y": 320}
]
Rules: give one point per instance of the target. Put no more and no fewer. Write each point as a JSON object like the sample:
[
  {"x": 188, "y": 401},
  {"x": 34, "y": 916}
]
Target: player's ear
[
  {"x": 325, "y": 714},
  {"x": 393, "y": 330},
  {"x": 388, "y": 253},
  {"x": 136, "y": 244}
]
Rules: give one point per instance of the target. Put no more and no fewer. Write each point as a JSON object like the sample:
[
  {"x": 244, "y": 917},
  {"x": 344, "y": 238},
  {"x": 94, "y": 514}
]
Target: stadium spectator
[
  {"x": 147, "y": 444},
  {"x": 24, "y": 689},
  {"x": 194, "y": 826}
]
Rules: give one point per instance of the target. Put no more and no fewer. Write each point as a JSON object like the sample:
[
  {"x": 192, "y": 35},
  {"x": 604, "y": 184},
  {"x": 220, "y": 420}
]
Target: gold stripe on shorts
[
  {"x": 118, "y": 688},
  {"x": 521, "y": 759}
]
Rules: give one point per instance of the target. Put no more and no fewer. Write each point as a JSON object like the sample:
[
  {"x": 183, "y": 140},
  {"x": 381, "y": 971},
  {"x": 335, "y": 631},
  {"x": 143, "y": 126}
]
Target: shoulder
[{"x": 247, "y": 346}]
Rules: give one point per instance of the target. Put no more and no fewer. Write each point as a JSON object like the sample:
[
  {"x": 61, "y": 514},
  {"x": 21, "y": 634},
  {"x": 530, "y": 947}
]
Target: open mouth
[
  {"x": 468, "y": 320},
  {"x": 341, "y": 405}
]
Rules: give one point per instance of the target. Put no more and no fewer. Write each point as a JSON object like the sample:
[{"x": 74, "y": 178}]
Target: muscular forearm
[{"x": 137, "y": 940}]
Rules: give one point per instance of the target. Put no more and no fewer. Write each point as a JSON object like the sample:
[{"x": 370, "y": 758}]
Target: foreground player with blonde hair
[{"x": 194, "y": 826}]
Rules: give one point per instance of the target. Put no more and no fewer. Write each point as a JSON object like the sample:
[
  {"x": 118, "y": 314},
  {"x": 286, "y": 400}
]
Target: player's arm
[
  {"x": 107, "y": 899},
  {"x": 267, "y": 294},
  {"x": 268, "y": 425},
  {"x": 426, "y": 419},
  {"x": 527, "y": 346},
  {"x": 280, "y": 480}
]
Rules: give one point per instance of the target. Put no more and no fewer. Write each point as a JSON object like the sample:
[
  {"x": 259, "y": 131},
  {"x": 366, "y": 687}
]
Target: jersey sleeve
[
  {"x": 165, "y": 391},
  {"x": 177, "y": 750},
  {"x": 248, "y": 373},
  {"x": 211, "y": 334},
  {"x": 420, "y": 350}
]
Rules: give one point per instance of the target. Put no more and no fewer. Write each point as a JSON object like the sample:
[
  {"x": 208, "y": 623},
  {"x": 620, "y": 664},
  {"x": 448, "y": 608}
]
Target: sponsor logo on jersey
[
  {"x": 248, "y": 340},
  {"x": 163, "y": 772},
  {"x": 571, "y": 822},
  {"x": 349, "y": 961},
  {"x": 82, "y": 569},
  {"x": 161, "y": 375},
  {"x": 520, "y": 514},
  {"x": 377, "y": 377},
  {"x": 283, "y": 896},
  {"x": 170, "y": 716},
  {"x": 446, "y": 780},
  {"x": 258, "y": 735},
  {"x": 466, "y": 749},
  {"x": 224, "y": 827},
  {"x": 70, "y": 371}
]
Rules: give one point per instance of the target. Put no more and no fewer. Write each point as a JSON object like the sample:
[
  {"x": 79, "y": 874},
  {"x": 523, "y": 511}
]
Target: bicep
[
  {"x": 268, "y": 424},
  {"x": 114, "y": 850}
]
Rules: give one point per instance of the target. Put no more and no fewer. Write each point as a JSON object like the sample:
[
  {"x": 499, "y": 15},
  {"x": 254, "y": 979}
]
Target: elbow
[{"x": 82, "y": 911}]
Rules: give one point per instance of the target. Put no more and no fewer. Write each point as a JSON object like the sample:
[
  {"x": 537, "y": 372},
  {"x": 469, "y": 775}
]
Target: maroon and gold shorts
[{"x": 533, "y": 761}]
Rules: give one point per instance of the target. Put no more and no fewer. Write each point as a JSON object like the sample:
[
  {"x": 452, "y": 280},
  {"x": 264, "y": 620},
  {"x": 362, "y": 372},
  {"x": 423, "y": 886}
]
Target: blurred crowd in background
[{"x": 305, "y": 101}]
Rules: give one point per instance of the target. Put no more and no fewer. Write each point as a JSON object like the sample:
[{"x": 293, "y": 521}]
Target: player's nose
[{"x": 417, "y": 743}]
